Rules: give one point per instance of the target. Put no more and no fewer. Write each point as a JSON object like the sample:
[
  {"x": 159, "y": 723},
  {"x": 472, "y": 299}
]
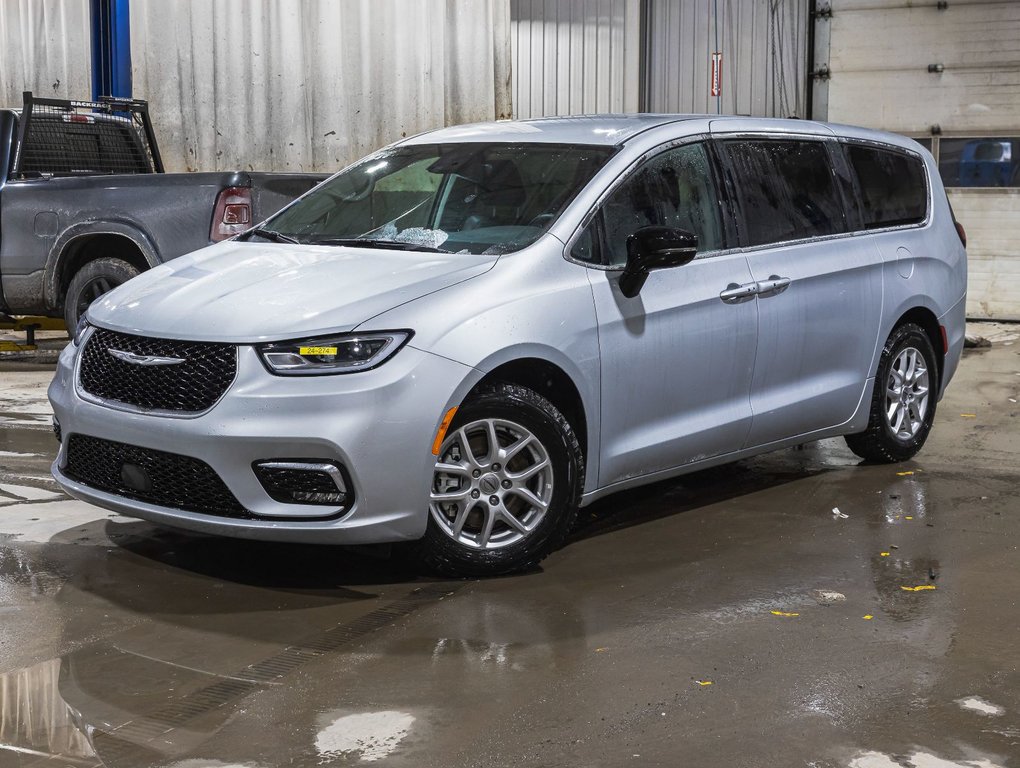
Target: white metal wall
[
  {"x": 764, "y": 47},
  {"x": 575, "y": 56},
  {"x": 44, "y": 48},
  {"x": 309, "y": 86},
  {"x": 879, "y": 54}
]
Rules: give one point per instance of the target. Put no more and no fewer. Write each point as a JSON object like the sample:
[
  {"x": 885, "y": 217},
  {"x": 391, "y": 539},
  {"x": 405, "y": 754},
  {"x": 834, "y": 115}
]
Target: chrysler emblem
[{"x": 131, "y": 357}]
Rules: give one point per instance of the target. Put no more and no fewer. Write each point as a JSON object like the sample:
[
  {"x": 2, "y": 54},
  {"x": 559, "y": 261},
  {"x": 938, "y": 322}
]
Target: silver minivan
[{"x": 461, "y": 339}]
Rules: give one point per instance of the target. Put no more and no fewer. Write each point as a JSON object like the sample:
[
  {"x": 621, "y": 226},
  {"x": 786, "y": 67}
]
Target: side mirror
[{"x": 655, "y": 248}]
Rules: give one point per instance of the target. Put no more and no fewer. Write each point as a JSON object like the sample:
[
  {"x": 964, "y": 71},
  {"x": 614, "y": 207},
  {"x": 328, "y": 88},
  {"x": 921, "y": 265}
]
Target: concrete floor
[{"x": 726, "y": 619}]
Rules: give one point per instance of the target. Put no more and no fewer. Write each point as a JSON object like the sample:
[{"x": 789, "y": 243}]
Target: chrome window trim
[{"x": 751, "y": 249}]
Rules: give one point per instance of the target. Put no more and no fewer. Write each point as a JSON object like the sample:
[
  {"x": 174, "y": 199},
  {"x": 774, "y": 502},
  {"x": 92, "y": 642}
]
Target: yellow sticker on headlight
[{"x": 317, "y": 350}]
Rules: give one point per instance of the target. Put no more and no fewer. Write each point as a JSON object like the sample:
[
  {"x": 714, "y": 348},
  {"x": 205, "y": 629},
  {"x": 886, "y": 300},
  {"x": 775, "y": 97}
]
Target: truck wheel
[
  {"x": 903, "y": 403},
  {"x": 89, "y": 283},
  {"x": 505, "y": 488}
]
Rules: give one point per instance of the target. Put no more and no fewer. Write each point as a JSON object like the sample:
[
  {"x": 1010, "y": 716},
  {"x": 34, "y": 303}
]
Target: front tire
[
  {"x": 506, "y": 485},
  {"x": 89, "y": 283},
  {"x": 903, "y": 403}
]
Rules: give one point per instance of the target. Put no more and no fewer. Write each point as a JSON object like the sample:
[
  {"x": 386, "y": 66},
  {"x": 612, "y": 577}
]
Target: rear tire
[
  {"x": 506, "y": 487},
  {"x": 904, "y": 399},
  {"x": 89, "y": 283}
]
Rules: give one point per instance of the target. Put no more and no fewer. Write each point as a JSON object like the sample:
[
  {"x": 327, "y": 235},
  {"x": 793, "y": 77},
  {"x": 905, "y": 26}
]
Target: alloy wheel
[
  {"x": 906, "y": 394},
  {"x": 492, "y": 484}
]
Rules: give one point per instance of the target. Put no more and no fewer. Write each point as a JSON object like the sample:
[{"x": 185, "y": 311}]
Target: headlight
[
  {"x": 79, "y": 332},
  {"x": 347, "y": 353}
]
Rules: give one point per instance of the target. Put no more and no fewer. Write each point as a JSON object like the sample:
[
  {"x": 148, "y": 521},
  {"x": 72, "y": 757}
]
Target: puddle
[
  {"x": 977, "y": 704},
  {"x": 917, "y": 760},
  {"x": 369, "y": 736}
]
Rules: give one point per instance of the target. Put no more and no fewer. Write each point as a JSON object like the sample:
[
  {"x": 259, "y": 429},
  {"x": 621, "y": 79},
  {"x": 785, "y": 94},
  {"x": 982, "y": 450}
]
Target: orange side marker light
[{"x": 443, "y": 426}]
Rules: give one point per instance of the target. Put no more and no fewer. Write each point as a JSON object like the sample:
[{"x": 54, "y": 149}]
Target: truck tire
[{"x": 89, "y": 283}]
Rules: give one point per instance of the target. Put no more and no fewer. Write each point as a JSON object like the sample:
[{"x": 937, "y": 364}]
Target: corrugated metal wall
[
  {"x": 44, "y": 48},
  {"x": 575, "y": 56},
  {"x": 310, "y": 86},
  {"x": 764, "y": 47},
  {"x": 879, "y": 53}
]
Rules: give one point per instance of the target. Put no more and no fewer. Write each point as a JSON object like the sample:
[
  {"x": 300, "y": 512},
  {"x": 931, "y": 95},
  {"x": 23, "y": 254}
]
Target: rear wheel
[
  {"x": 506, "y": 485},
  {"x": 903, "y": 403},
  {"x": 89, "y": 283}
]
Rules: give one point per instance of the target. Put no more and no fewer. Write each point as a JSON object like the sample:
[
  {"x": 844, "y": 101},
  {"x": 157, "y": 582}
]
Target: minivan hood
[{"x": 245, "y": 292}]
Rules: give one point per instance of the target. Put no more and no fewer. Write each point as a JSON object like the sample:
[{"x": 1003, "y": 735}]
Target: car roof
[
  {"x": 605, "y": 130},
  {"x": 614, "y": 130}
]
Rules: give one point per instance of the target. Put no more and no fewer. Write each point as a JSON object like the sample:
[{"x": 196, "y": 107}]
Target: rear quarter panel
[{"x": 926, "y": 267}]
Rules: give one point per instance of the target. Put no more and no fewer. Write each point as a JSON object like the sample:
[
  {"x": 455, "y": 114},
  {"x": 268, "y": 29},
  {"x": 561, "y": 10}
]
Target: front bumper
[{"x": 379, "y": 424}]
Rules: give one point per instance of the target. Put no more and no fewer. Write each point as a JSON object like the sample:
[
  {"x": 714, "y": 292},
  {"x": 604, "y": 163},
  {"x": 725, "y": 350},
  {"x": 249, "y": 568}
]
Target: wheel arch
[
  {"x": 86, "y": 242},
  {"x": 553, "y": 382},
  {"x": 929, "y": 323}
]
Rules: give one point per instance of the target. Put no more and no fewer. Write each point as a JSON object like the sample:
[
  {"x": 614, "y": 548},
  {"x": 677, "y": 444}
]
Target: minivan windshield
[{"x": 456, "y": 198}]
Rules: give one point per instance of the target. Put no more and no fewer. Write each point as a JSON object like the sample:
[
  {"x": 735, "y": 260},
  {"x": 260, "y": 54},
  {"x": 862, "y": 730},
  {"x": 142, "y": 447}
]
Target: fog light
[
  {"x": 56, "y": 430},
  {"x": 304, "y": 482}
]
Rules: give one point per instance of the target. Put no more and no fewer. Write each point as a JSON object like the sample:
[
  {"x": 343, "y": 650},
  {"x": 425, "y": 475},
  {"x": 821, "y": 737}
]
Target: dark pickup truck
[{"x": 85, "y": 205}]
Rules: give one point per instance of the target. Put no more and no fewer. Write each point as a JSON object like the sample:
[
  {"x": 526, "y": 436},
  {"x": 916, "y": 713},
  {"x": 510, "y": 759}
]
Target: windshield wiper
[
  {"x": 358, "y": 242},
  {"x": 272, "y": 234}
]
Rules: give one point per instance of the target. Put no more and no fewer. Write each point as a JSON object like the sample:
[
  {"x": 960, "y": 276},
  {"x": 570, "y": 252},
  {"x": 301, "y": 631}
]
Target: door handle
[
  {"x": 737, "y": 294},
  {"x": 774, "y": 286}
]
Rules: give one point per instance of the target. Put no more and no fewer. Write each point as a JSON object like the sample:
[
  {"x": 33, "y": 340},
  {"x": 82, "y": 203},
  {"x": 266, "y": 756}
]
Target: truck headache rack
[{"x": 70, "y": 138}]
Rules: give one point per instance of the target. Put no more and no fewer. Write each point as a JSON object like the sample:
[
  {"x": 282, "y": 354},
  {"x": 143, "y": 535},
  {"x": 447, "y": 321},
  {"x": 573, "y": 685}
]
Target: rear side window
[
  {"x": 786, "y": 190},
  {"x": 892, "y": 185}
]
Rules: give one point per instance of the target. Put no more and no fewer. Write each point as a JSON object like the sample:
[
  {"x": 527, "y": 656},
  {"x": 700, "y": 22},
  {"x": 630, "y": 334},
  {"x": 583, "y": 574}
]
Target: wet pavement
[{"x": 729, "y": 618}]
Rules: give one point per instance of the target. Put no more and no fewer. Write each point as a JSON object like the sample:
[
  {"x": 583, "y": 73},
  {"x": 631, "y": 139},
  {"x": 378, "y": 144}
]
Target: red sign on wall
[{"x": 716, "y": 84}]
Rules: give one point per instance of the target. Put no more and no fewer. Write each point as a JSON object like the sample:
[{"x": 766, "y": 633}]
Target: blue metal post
[{"x": 111, "y": 49}]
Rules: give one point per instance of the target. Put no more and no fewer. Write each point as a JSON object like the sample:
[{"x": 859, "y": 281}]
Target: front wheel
[
  {"x": 903, "y": 403},
  {"x": 506, "y": 485},
  {"x": 89, "y": 283}
]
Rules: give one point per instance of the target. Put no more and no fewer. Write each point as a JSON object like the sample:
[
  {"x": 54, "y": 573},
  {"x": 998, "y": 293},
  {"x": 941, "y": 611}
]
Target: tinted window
[
  {"x": 892, "y": 186},
  {"x": 674, "y": 189},
  {"x": 985, "y": 162},
  {"x": 786, "y": 190}
]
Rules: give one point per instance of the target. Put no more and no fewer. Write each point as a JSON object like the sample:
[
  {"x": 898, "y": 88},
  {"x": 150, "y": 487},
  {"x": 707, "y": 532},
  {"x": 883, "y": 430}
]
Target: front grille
[
  {"x": 176, "y": 481},
  {"x": 194, "y": 385}
]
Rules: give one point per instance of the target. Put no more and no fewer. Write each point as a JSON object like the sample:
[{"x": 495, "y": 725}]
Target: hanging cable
[{"x": 718, "y": 95}]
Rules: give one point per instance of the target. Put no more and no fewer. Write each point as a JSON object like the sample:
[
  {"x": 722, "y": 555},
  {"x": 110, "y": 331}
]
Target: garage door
[{"x": 948, "y": 73}]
